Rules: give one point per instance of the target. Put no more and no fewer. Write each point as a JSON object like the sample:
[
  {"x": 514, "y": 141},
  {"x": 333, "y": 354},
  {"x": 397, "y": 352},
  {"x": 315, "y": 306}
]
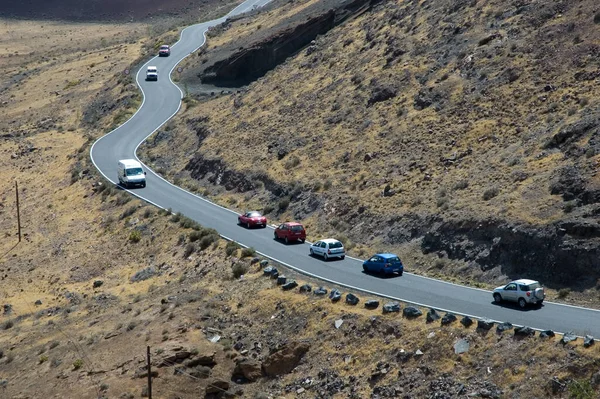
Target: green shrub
[
  {"x": 176, "y": 217},
  {"x": 189, "y": 249},
  {"x": 581, "y": 389},
  {"x": 490, "y": 193},
  {"x": 283, "y": 204},
  {"x": 268, "y": 209},
  {"x": 564, "y": 292},
  {"x": 239, "y": 269},
  {"x": 461, "y": 185},
  {"x": 43, "y": 359},
  {"x": 231, "y": 248},
  {"x": 247, "y": 252},
  {"x": 207, "y": 240},
  {"x": 327, "y": 185},
  {"x": 135, "y": 236},
  {"x": 77, "y": 364}
]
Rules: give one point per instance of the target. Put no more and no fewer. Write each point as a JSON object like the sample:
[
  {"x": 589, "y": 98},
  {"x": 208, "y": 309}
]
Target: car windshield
[
  {"x": 254, "y": 214},
  {"x": 394, "y": 259},
  {"x": 164, "y": 47},
  {"x": 134, "y": 171},
  {"x": 336, "y": 244},
  {"x": 296, "y": 228}
]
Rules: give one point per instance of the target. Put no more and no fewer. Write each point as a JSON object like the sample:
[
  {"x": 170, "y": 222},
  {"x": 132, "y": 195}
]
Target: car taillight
[
  {"x": 528, "y": 293},
  {"x": 329, "y": 251}
]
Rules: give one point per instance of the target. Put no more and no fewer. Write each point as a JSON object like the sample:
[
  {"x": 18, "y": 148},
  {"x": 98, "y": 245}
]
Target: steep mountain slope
[{"x": 462, "y": 129}]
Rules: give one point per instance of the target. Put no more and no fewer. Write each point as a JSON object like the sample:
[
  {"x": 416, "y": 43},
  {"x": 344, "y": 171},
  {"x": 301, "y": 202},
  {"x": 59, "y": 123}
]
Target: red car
[
  {"x": 252, "y": 218},
  {"x": 164, "y": 51},
  {"x": 290, "y": 231}
]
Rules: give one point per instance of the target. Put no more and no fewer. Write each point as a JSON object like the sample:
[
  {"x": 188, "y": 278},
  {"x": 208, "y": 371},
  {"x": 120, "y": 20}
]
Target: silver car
[
  {"x": 524, "y": 292},
  {"x": 328, "y": 248}
]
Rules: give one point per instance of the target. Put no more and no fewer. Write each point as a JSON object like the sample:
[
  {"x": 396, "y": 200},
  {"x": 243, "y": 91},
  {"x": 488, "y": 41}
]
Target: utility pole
[
  {"x": 149, "y": 372},
  {"x": 18, "y": 210}
]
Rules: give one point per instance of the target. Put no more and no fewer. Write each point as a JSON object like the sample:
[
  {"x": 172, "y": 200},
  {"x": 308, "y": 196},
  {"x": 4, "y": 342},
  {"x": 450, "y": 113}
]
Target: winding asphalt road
[{"x": 162, "y": 100}]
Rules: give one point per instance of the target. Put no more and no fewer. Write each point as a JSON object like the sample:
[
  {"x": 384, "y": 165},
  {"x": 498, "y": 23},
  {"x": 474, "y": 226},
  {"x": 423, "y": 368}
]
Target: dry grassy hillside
[{"x": 466, "y": 130}]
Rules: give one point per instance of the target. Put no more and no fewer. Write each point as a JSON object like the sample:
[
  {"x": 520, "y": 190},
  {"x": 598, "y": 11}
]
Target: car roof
[
  {"x": 164, "y": 46},
  {"x": 151, "y": 67},
  {"x": 130, "y": 163},
  {"x": 387, "y": 255},
  {"x": 329, "y": 240},
  {"x": 293, "y": 223},
  {"x": 525, "y": 281}
]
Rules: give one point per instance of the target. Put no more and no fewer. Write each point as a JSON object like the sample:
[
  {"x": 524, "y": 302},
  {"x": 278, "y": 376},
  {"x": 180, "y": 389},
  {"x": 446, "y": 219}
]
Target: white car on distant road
[
  {"x": 524, "y": 292},
  {"x": 152, "y": 73},
  {"x": 328, "y": 248}
]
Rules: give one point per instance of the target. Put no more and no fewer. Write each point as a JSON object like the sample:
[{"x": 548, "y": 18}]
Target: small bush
[
  {"x": 231, "y": 248},
  {"x": 135, "y": 236},
  {"x": 43, "y": 359},
  {"x": 239, "y": 269},
  {"x": 131, "y": 325},
  {"x": 148, "y": 213},
  {"x": 569, "y": 206},
  {"x": 564, "y": 292},
  {"x": 581, "y": 389},
  {"x": 268, "y": 209},
  {"x": 176, "y": 217},
  {"x": 327, "y": 185},
  {"x": 189, "y": 249},
  {"x": 54, "y": 344},
  {"x": 490, "y": 193},
  {"x": 122, "y": 199},
  {"x": 77, "y": 364},
  {"x": 461, "y": 185},
  {"x": 317, "y": 186},
  {"x": 283, "y": 204},
  {"x": 128, "y": 212},
  {"x": 292, "y": 162},
  {"x": 206, "y": 241},
  {"x": 247, "y": 252}
]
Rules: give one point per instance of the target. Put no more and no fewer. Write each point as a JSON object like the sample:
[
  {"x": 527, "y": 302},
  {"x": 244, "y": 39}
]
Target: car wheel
[
  {"x": 275, "y": 236},
  {"x": 248, "y": 225},
  {"x": 302, "y": 240},
  {"x": 400, "y": 273},
  {"x": 522, "y": 303},
  {"x": 365, "y": 269},
  {"x": 343, "y": 256},
  {"x": 286, "y": 240},
  {"x": 143, "y": 185},
  {"x": 311, "y": 252},
  {"x": 497, "y": 298},
  {"x": 325, "y": 256}
]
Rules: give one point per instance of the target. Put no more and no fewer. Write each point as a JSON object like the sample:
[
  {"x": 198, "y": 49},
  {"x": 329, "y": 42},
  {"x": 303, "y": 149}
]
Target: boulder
[
  {"x": 588, "y": 341},
  {"x": 500, "y": 328},
  {"x": 275, "y": 273},
  {"x": 320, "y": 291},
  {"x": 391, "y": 307},
  {"x": 173, "y": 353},
  {"x": 306, "y": 288},
  {"x": 98, "y": 283},
  {"x": 411, "y": 312},
  {"x": 449, "y": 318},
  {"x": 485, "y": 324},
  {"x": 249, "y": 369},
  {"x": 268, "y": 270},
  {"x": 432, "y": 315},
  {"x": 524, "y": 332},
  {"x": 351, "y": 299},
  {"x": 568, "y": 337},
  {"x": 547, "y": 334},
  {"x": 461, "y": 346},
  {"x": 335, "y": 295},
  {"x": 202, "y": 359},
  {"x": 466, "y": 321},
  {"x": 217, "y": 386},
  {"x": 144, "y": 274},
  {"x": 285, "y": 359},
  {"x": 289, "y": 285},
  {"x": 264, "y": 263},
  {"x": 372, "y": 304},
  {"x": 281, "y": 280},
  {"x": 254, "y": 260}
]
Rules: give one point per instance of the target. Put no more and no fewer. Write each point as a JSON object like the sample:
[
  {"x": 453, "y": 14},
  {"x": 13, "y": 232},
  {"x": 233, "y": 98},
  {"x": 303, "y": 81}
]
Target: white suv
[
  {"x": 328, "y": 248},
  {"x": 524, "y": 292},
  {"x": 152, "y": 73}
]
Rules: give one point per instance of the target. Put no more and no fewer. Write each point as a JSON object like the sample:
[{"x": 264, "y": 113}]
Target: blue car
[{"x": 384, "y": 263}]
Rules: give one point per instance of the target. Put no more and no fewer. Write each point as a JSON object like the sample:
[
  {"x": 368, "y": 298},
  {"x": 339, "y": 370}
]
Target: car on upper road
[
  {"x": 152, "y": 73},
  {"x": 524, "y": 292},
  {"x": 252, "y": 219},
  {"x": 290, "y": 232},
  {"x": 164, "y": 51},
  {"x": 328, "y": 248},
  {"x": 384, "y": 263}
]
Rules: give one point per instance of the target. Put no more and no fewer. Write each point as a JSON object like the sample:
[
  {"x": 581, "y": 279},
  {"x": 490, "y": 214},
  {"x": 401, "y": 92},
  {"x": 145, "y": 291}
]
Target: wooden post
[
  {"x": 149, "y": 372},
  {"x": 18, "y": 210}
]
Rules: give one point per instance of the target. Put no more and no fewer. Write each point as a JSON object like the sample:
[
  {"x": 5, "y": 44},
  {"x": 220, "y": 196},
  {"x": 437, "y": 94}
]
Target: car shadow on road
[
  {"x": 381, "y": 276},
  {"x": 296, "y": 242},
  {"x": 515, "y": 306},
  {"x": 325, "y": 260}
]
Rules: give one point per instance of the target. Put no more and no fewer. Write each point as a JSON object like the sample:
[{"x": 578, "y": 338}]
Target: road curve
[{"x": 162, "y": 100}]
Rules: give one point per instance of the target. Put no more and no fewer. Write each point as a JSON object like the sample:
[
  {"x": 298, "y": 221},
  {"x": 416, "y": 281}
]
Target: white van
[
  {"x": 130, "y": 173},
  {"x": 152, "y": 73}
]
